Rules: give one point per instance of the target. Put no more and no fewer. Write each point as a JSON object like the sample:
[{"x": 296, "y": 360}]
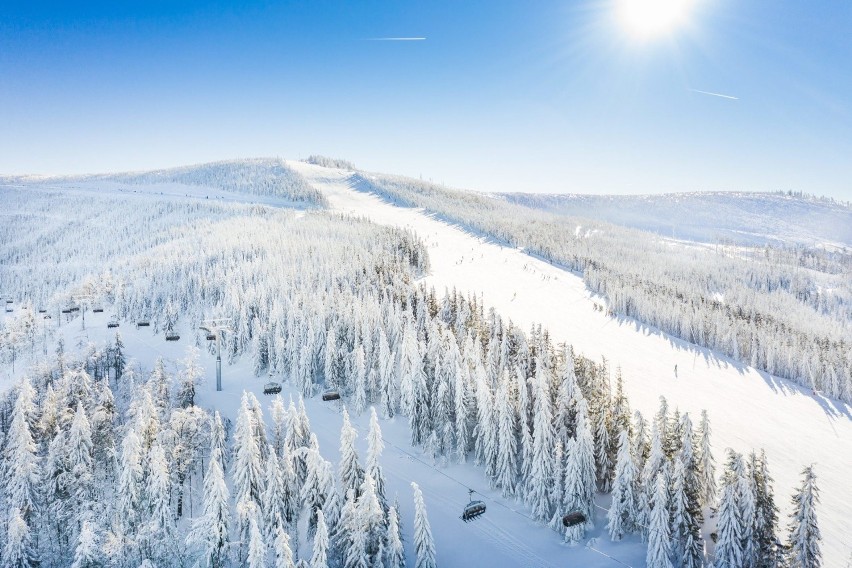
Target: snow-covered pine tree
[
  {"x": 248, "y": 465},
  {"x": 256, "y": 557},
  {"x": 18, "y": 551},
  {"x": 659, "y": 540},
  {"x": 129, "y": 498},
  {"x": 424, "y": 544},
  {"x": 653, "y": 466},
  {"x": 580, "y": 475},
  {"x": 766, "y": 513},
  {"x": 283, "y": 552},
  {"x": 375, "y": 446},
  {"x": 687, "y": 516},
  {"x": 319, "y": 557},
  {"x": 159, "y": 527},
  {"x": 88, "y": 553},
  {"x": 506, "y": 474},
  {"x": 394, "y": 551},
  {"x": 209, "y": 532},
  {"x": 730, "y": 525},
  {"x": 706, "y": 464},
  {"x": 349, "y": 471},
  {"x": 804, "y": 535},
  {"x": 21, "y": 460},
  {"x": 540, "y": 483},
  {"x": 622, "y": 512}
]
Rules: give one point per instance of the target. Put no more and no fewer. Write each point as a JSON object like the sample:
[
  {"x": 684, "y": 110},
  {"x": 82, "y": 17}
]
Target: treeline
[{"x": 793, "y": 323}]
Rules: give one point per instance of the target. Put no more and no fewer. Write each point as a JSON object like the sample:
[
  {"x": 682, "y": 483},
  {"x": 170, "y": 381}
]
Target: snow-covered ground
[{"x": 748, "y": 409}]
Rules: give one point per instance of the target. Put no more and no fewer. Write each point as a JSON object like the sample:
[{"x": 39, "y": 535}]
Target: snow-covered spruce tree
[
  {"x": 209, "y": 534},
  {"x": 319, "y": 557},
  {"x": 540, "y": 484},
  {"x": 371, "y": 520},
  {"x": 248, "y": 465},
  {"x": 730, "y": 525},
  {"x": 603, "y": 445},
  {"x": 659, "y": 538},
  {"x": 485, "y": 444},
  {"x": 281, "y": 545},
  {"x": 580, "y": 475},
  {"x": 256, "y": 557},
  {"x": 507, "y": 439},
  {"x": 804, "y": 535},
  {"x": 622, "y": 512},
  {"x": 653, "y": 467},
  {"x": 88, "y": 553},
  {"x": 687, "y": 516},
  {"x": 21, "y": 464},
  {"x": 274, "y": 498},
  {"x": 394, "y": 551},
  {"x": 359, "y": 399},
  {"x": 685, "y": 533},
  {"x": 706, "y": 464},
  {"x": 18, "y": 551},
  {"x": 158, "y": 529},
  {"x": 375, "y": 446},
  {"x": 189, "y": 377},
  {"x": 388, "y": 388},
  {"x": 318, "y": 489},
  {"x": 424, "y": 544},
  {"x": 349, "y": 471},
  {"x": 129, "y": 497},
  {"x": 766, "y": 513}
]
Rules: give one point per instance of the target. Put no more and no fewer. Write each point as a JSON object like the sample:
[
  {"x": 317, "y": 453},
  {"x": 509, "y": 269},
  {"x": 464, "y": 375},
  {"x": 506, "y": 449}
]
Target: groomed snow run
[{"x": 748, "y": 409}]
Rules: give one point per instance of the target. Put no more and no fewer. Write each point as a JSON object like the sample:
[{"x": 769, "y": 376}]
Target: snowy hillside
[
  {"x": 727, "y": 217},
  {"x": 491, "y": 368}
]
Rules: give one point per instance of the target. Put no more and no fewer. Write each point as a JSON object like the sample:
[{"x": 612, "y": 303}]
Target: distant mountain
[{"x": 737, "y": 217}]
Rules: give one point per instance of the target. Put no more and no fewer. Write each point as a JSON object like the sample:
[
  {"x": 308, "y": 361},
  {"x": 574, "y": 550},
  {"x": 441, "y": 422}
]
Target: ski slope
[{"x": 748, "y": 409}]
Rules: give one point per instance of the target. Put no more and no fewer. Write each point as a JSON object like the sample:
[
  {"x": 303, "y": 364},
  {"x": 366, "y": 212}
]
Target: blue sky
[{"x": 505, "y": 96}]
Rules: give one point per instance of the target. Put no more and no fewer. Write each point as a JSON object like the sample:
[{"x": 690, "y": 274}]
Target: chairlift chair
[
  {"x": 330, "y": 395},
  {"x": 10, "y": 301},
  {"x": 573, "y": 519},
  {"x": 9, "y": 309},
  {"x": 112, "y": 323},
  {"x": 97, "y": 309},
  {"x": 211, "y": 337},
  {"x": 272, "y": 388},
  {"x": 473, "y": 509},
  {"x": 143, "y": 323},
  {"x": 66, "y": 311},
  {"x": 172, "y": 336},
  {"x": 42, "y": 311}
]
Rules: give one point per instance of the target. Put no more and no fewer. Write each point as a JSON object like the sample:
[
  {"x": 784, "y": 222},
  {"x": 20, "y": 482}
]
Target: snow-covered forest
[
  {"x": 110, "y": 462},
  {"x": 786, "y": 312}
]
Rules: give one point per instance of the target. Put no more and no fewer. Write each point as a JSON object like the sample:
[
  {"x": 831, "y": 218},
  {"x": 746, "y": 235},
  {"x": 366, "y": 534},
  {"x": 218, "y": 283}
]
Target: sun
[{"x": 651, "y": 18}]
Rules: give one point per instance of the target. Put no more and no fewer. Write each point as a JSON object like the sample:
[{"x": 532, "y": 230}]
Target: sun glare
[{"x": 649, "y": 18}]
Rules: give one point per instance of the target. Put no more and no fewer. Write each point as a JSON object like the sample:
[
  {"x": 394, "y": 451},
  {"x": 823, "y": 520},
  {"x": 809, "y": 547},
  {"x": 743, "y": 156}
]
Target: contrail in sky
[
  {"x": 715, "y": 94},
  {"x": 396, "y": 39}
]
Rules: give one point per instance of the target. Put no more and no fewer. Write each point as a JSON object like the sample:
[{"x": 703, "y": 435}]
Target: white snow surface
[{"x": 748, "y": 409}]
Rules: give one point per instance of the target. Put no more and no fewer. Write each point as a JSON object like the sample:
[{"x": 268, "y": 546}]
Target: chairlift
[
  {"x": 66, "y": 311},
  {"x": 143, "y": 323},
  {"x": 211, "y": 337},
  {"x": 75, "y": 309},
  {"x": 473, "y": 509},
  {"x": 97, "y": 309},
  {"x": 9, "y": 309},
  {"x": 573, "y": 519},
  {"x": 42, "y": 311},
  {"x": 10, "y": 301},
  {"x": 272, "y": 388},
  {"x": 172, "y": 336},
  {"x": 330, "y": 395},
  {"x": 112, "y": 323}
]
